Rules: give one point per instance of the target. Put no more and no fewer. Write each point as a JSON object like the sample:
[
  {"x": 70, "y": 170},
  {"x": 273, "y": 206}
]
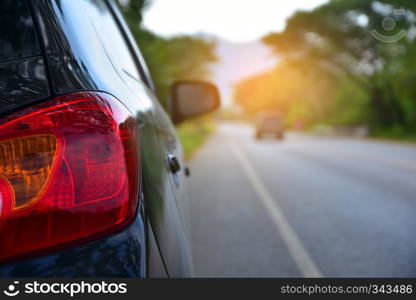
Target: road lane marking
[{"x": 300, "y": 255}]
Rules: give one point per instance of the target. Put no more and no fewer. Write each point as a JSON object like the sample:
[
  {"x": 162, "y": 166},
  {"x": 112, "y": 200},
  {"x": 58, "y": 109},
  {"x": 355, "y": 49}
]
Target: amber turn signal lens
[{"x": 25, "y": 166}]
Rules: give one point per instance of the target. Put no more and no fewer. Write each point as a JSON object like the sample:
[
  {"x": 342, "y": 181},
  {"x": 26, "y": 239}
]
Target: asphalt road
[{"x": 305, "y": 207}]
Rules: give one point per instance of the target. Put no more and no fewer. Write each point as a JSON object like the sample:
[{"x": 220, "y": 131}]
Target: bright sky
[{"x": 233, "y": 20}]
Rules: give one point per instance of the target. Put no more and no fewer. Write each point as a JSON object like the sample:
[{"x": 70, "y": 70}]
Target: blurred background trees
[
  {"x": 168, "y": 59},
  {"x": 332, "y": 70}
]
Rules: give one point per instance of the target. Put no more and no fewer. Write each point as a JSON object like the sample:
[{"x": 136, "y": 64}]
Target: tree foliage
[
  {"x": 168, "y": 59},
  {"x": 343, "y": 69}
]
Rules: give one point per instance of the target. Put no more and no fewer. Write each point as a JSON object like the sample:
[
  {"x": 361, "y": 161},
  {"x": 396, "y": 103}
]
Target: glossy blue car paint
[{"x": 122, "y": 254}]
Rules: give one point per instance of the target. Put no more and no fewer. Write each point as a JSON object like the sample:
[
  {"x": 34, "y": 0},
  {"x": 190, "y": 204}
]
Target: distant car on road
[{"x": 270, "y": 123}]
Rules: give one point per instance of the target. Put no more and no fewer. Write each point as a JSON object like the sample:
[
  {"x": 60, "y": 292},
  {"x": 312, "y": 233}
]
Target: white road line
[{"x": 296, "y": 249}]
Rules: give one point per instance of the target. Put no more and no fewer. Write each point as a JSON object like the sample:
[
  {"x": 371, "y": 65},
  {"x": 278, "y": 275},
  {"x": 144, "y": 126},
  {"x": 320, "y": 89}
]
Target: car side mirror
[{"x": 189, "y": 99}]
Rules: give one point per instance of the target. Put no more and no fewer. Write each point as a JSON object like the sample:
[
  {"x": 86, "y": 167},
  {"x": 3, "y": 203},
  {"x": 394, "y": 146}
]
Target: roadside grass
[
  {"x": 395, "y": 136},
  {"x": 193, "y": 134}
]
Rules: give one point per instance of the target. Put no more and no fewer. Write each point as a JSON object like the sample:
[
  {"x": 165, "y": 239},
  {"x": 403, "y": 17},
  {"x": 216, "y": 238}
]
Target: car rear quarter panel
[{"x": 76, "y": 60}]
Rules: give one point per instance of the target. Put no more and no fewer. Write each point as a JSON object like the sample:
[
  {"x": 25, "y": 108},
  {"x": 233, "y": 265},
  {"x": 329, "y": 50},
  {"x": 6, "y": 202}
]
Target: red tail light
[{"x": 68, "y": 173}]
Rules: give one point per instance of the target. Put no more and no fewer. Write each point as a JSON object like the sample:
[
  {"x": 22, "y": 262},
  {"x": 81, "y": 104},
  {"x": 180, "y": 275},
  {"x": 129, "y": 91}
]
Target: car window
[
  {"x": 141, "y": 64},
  {"x": 112, "y": 38},
  {"x": 17, "y": 31}
]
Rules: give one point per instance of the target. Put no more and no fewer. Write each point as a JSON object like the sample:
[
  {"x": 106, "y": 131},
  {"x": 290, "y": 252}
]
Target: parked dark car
[
  {"x": 92, "y": 180},
  {"x": 270, "y": 123}
]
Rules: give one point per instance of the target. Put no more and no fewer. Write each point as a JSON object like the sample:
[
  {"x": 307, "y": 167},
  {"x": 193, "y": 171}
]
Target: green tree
[
  {"x": 168, "y": 59},
  {"x": 336, "y": 39}
]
